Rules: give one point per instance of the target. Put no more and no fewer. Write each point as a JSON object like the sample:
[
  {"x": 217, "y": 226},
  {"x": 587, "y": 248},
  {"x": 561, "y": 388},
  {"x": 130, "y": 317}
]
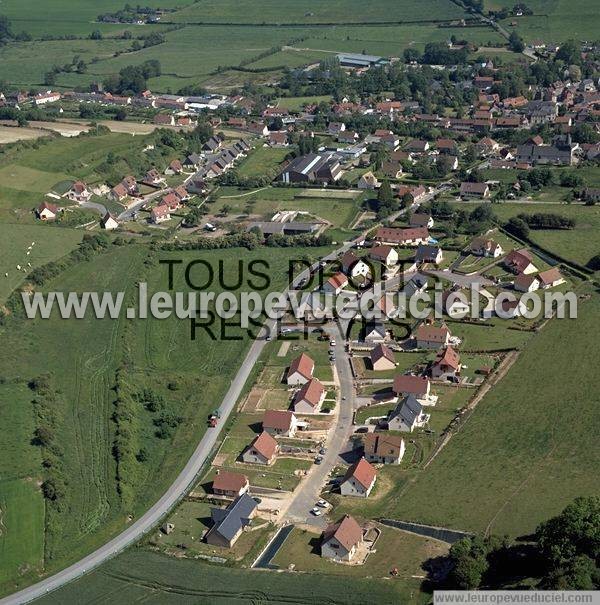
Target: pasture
[
  {"x": 51, "y": 243},
  {"x": 262, "y": 161}
]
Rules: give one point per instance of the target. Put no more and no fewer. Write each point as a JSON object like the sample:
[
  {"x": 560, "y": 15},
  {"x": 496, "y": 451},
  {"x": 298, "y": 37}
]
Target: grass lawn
[
  {"x": 524, "y": 454},
  {"x": 51, "y": 243},
  {"x": 262, "y": 161},
  {"x": 22, "y": 529},
  {"x": 339, "y": 211},
  {"x": 191, "y": 520},
  {"x": 393, "y": 548},
  {"x": 492, "y": 335},
  {"x": 297, "y": 103}
]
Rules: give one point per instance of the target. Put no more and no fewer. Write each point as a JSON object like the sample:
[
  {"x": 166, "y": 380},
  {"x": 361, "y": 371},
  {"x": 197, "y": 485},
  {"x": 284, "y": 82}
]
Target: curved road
[
  {"x": 150, "y": 519},
  {"x": 178, "y": 488}
]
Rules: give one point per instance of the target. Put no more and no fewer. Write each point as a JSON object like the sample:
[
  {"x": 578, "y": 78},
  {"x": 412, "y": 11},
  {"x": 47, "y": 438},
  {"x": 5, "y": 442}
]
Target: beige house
[
  {"x": 382, "y": 358},
  {"x": 431, "y": 337},
  {"x": 262, "y": 450},
  {"x": 309, "y": 398},
  {"x": 368, "y": 181},
  {"x": 383, "y": 448},
  {"x": 301, "y": 370}
]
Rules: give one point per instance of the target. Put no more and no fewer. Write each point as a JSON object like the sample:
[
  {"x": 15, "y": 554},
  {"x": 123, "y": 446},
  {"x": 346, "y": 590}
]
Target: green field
[
  {"x": 21, "y": 528},
  {"x": 82, "y": 358},
  {"x": 149, "y": 577},
  {"x": 51, "y": 243},
  {"x": 297, "y": 103},
  {"x": 554, "y": 20},
  {"x": 264, "y": 203},
  {"x": 263, "y": 161},
  {"x": 528, "y": 449},
  {"x": 579, "y": 244}
]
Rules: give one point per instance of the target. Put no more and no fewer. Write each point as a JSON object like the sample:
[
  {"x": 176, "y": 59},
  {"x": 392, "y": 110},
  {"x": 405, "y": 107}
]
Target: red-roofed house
[
  {"x": 446, "y": 365},
  {"x": 230, "y": 484},
  {"x": 341, "y": 540},
  {"x": 46, "y": 211},
  {"x": 382, "y": 358},
  {"x": 301, "y": 370},
  {"x": 336, "y": 283},
  {"x": 280, "y": 422},
  {"x": 262, "y": 450},
  {"x": 359, "y": 479},
  {"x": 309, "y": 398},
  {"x": 520, "y": 261},
  {"x": 432, "y": 337}
]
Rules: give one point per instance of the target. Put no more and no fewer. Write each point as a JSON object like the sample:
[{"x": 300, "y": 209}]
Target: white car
[
  {"x": 316, "y": 511},
  {"x": 332, "y": 343},
  {"x": 322, "y": 504}
]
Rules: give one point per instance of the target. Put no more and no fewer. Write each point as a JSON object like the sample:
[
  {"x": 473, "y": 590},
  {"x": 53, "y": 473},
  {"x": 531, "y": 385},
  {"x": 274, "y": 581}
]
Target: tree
[
  {"x": 580, "y": 573},
  {"x": 518, "y": 227},
  {"x": 385, "y": 195},
  {"x": 576, "y": 531},
  {"x": 594, "y": 263},
  {"x": 515, "y": 42},
  {"x": 43, "y": 436},
  {"x": 469, "y": 560},
  {"x": 121, "y": 114},
  {"x": 6, "y": 33},
  {"x": 96, "y": 35}
]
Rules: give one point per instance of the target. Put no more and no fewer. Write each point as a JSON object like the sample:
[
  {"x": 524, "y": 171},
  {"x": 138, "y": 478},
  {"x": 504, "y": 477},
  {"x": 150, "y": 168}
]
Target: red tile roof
[
  {"x": 229, "y": 482},
  {"x": 448, "y": 357},
  {"x": 280, "y": 420},
  {"x": 347, "y": 532},
  {"x": 416, "y": 385},
  {"x": 265, "y": 445},
  {"x": 363, "y": 472},
  {"x": 302, "y": 364},
  {"x": 310, "y": 392}
]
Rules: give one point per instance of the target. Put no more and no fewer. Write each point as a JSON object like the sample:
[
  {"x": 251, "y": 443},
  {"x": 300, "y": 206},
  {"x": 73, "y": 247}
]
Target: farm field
[
  {"x": 523, "y": 454},
  {"x": 51, "y": 243},
  {"x": 10, "y": 134},
  {"x": 142, "y": 575},
  {"x": 82, "y": 358},
  {"x": 579, "y": 244},
  {"x": 314, "y": 11},
  {"x": 554, "y": 20}
]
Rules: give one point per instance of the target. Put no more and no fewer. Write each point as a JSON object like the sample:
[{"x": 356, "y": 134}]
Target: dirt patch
[
  {"x": 219, "y": 460},
  {"x": 253, "y": 399},
  {"x": 283, "y": 349},
  {"x": 9, "y": 134}
]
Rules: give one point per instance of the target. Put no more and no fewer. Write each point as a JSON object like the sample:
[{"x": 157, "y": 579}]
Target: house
[
  {"x": 512, "y": 308},
  {"x": 47, "y": 212},
  {"x": 417, "y": 146},
  {"x": 301, "y": 370},
  {"x": 550, "y": 278},
  {"x": 336, "y": 128},
  {"x": 160, "y": 214},
  {"x": 368, "y": 181},
  {"x": 257, "y": 128},
  {"x": 408, "y": 415},
  {"x": 526, "y": 282},
  {"x": 402, "y": 237},
  {"x": 336, "y": 283},
  {"x": 474, "y": 190},
  {"x": 383, "y": 448},
  {"x": 455, "y": 304},
  {"x": 230, "y": 484},
  {"x": 164, "y": 119},
  {"x": 175, "y": 167},
  {"x": 446, "y": 365},
  {"x": 312, "y": 168},
  {"x": 429, "y": 254},
  {"x": 172, "y": 202},
  {"x": 382, "y": 358},
  {"x": 353, "y": 266},
  {"x": 262, "y": 450},
  {"x": 109, "y": 222},
  {"x": 428, "y": 336},
  {"x": 237, "y": 123},
  {"x": 417, "y": 283},
  {"x": 340, "y": 541},
  {"x": 229, "y": 523},
  {"x": 213, "y": 144},
  {"x": 484, "y": 246},
  {"x": 79, "y": 192},
  {"x": 447, "y": 146},
  {"x": 359, "y": 480},
  {"x": 182, "y": 193},
  {"x": 309, "y": 398},
  {"x": 411, "y": 194},
  {"x": 375, "y": 332},
  {"x": 520, "y": 261},
  {"x": 555, "y": 155},
  {"x": 487, "y": 146},
  {"x": 46, "y": 97},
  {"x": 278, "y": 139},
  {"x": 153, "y": 177},
  {"x": 282, "y": 423},
  {"x": 391, "y": 169},
  {"x": 417, "y": 386},
  {"x": 385, "y": 255},
  {"x": 118, "y": 192},
  {"x": 418, "y": 219},
  {"x": 348, "y": 136},
  {"x": 192, "y": 161}
]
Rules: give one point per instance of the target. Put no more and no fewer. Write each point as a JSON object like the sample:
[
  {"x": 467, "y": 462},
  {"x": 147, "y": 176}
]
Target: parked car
[
  {"x": 316, "y": 511},
  {"x": 322, "y": 504}
]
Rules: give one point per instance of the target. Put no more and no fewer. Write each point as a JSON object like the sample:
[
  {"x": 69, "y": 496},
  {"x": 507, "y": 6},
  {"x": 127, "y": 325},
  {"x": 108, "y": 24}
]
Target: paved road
[
  {"x": 127, "y": 215},
  {"x": 308, "y": 492},
  {"x": 178, "y": 488}
]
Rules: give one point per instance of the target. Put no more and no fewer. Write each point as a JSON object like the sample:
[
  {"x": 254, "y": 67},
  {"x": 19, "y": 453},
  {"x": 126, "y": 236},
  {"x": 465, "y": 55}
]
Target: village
[{"x": 486, "y": 190}]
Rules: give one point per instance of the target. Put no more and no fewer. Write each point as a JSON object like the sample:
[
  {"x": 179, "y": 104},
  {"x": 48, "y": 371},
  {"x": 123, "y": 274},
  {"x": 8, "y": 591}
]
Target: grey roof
[
  {"x": 229, "y": 521},
  {"x": 426, "y": 253},
  {"x": 409, "y": 409},
  {"x": 417, "y": 282},
  {"x": 360, "y": 59},
  {"x": 376, "y": 327}
]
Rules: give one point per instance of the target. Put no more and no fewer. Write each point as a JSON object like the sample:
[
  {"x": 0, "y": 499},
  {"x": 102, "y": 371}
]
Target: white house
[
  {"x": 408, "y": 415},
  {"x": 109, "y": 222},
  {"x": 359, "y": 479},
  {"x": 341, "y": 540},
  {"x": 301, "y": 370}
]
